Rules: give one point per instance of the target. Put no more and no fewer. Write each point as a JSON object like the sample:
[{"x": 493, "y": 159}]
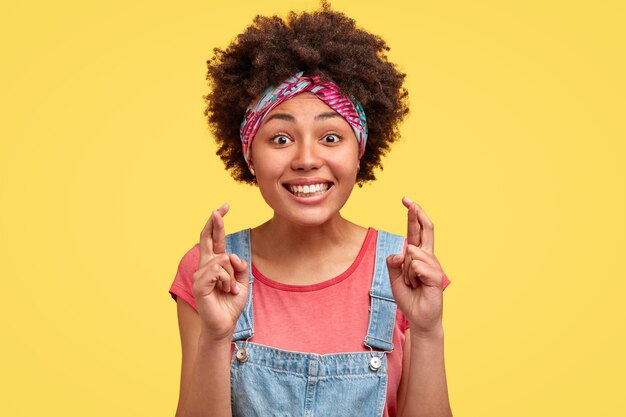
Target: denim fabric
[{"x": 267, "y": 381}]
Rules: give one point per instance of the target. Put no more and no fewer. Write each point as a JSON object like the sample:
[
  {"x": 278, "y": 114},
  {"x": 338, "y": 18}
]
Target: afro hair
[{"x": 326, "y": 43}]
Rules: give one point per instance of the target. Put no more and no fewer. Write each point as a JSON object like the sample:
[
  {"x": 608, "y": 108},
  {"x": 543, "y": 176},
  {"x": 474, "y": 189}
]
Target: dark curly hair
[{"x": 325, "y": 43}]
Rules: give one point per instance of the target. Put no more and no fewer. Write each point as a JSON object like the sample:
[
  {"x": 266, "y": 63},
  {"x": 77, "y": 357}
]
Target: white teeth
[{"x": 308, "y": 189}]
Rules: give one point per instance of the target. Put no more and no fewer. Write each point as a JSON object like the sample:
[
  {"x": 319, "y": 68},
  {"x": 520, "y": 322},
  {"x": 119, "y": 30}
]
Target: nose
[{"x": 307, "y": 155}]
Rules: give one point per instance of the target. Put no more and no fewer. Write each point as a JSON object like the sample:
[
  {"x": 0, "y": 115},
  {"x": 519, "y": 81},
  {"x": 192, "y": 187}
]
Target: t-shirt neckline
[{"x": 320, "y": 285}]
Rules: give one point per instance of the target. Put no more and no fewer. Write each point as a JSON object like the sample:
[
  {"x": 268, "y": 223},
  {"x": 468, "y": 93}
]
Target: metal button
[
  {"x": 375, "y": 363},
  {"x": 242, "y": 355}
]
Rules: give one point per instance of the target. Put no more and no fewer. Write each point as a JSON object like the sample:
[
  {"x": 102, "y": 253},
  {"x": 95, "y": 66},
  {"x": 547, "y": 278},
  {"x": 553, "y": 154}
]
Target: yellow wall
[{"x": 515, "y": 148}]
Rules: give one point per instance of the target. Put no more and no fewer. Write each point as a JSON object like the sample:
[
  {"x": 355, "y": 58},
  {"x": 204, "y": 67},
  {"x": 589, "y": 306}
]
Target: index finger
[
  {"x": 207, "y": 239},
  {"x": 413, "y": 232}
]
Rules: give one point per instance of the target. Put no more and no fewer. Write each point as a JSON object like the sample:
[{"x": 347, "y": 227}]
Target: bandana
[{"x": 350, "y": 109}]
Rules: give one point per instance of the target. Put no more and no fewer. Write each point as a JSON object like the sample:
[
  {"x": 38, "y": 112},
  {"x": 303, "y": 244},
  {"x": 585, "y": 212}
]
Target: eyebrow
[
  {"x": 290, "y": 118},
  {"x": 327, "y": 115}
]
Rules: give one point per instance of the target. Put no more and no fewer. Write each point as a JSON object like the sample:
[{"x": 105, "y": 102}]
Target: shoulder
[
  {"x": 183, "y": 281},
  {"x": 189, "y": 261}
]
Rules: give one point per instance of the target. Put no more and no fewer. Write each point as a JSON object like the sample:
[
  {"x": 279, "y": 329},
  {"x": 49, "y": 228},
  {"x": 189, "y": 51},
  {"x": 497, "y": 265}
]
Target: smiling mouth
[{"x": 310, "y": 190}]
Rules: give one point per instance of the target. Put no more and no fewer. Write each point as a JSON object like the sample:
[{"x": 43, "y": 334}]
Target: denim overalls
[{"x": 266, "y": 381}]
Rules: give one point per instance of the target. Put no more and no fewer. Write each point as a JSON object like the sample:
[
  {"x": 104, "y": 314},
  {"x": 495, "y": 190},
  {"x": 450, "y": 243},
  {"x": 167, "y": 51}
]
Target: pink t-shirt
[{"x": 309, "y": 318}]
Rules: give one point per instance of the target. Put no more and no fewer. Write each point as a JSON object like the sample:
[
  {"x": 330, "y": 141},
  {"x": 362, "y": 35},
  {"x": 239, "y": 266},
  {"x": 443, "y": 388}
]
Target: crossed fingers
[
  {"x": 419, "y": 257},
  {"x": 420, "y": 230},
  {"x": 213, "y": 237},
  {"x": 213, "y": 255}
]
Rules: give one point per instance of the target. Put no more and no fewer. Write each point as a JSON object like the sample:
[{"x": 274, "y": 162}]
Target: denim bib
[{"x": 266, "y": 381}]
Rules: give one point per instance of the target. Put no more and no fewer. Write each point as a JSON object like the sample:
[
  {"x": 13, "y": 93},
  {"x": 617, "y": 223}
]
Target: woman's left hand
[{"x": 417, "y": 277}]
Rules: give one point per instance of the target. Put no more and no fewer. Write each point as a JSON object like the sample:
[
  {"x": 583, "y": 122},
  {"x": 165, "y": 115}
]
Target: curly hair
[{"x": 326, "y": 43}]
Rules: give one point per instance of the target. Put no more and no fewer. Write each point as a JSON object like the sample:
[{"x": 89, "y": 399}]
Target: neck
[{"x": 292, "y": 240}]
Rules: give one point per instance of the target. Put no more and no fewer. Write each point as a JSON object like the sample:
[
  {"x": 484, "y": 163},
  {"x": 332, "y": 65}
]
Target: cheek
[
  {"x": 266, "y": 168},
  {"x": 260, "y": 161},
  {"x": 346, "y": 164},
  {"x": 268, "y": 175}
]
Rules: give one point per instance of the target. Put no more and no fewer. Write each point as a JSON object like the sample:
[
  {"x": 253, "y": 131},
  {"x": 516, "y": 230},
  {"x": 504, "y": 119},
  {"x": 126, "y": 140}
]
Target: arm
[
  {"x": 220, "y": 290},
  {"x": 417, "y": 283},
  {"x": 423, "y": 389},
  {"x": 205, "y": 374}
]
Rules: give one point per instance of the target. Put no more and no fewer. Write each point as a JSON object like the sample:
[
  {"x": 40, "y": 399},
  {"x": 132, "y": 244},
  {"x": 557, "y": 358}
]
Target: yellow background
[{"x": 515, "y": 148}]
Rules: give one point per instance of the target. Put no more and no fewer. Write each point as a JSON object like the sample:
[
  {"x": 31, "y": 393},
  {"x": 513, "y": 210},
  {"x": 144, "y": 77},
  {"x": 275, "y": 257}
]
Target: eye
[
  {"x": 332, "y": 138},
  {"x": 281, "y": 140}
]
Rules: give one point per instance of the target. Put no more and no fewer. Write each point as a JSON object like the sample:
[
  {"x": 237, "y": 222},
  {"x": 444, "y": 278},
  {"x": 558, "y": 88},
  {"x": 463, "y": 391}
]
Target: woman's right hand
[{"x": 221, "y": 282}]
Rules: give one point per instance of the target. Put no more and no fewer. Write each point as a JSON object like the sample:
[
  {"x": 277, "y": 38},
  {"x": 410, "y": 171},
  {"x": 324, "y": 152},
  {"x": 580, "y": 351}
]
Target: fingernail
[
  {"x": 237, "y": 258},
  {"x": 235, "y": 288}
]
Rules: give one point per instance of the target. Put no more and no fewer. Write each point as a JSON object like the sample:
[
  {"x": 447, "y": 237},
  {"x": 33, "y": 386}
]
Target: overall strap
[
  {"x": 239, "y": 244},
  {"x": 383, "y": 306}
]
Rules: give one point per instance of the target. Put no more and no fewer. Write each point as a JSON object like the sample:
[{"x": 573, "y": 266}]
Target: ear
[{"x": 252, "y": 169}]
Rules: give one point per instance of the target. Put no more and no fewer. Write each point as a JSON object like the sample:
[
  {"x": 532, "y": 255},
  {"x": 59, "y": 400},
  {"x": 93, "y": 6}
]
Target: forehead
[{"x": 302, "y": 104}]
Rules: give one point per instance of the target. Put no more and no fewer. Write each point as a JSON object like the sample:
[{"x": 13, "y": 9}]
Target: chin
[{"x": 307, "y": 219}]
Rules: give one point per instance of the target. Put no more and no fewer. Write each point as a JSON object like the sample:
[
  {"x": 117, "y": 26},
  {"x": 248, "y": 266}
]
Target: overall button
[
  {"x": 375, "y": 363},
  {"x": 242, "y": 355}
]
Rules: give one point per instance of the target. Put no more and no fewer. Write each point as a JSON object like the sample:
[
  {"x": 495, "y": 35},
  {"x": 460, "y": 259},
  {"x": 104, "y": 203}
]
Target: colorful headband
[{"x": 328, "y": 92}]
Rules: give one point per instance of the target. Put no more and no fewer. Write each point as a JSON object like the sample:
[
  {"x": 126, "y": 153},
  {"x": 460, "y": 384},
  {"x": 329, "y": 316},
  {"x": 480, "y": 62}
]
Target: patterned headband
[{"x": 328, "y": 92}]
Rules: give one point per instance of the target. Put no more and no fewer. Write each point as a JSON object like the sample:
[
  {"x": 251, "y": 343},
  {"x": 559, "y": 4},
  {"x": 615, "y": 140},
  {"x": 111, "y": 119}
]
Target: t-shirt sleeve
[
  {"x": 446, "y": 281},
  {"x": 183, "y": 281}
]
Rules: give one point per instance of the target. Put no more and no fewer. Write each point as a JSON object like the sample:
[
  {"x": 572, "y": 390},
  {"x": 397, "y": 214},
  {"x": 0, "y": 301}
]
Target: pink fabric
[{"x": 309, "y": 318}]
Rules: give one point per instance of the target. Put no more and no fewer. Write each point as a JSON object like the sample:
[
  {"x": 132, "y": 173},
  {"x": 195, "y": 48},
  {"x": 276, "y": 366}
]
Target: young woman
[{"x": 309, "y": 314}]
